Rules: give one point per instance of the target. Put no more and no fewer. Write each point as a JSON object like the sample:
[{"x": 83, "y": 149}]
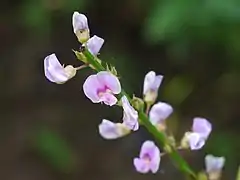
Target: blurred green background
[{"x": 49, "y": 131}]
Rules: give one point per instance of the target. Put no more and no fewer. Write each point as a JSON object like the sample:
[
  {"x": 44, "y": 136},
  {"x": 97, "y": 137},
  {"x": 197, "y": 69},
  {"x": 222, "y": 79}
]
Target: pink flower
[
  {"x": 201, "y": 129},
  {"x": 130, "y": 115},
  {"x": 102, "y": 87},
  {"x": 110, "y": 130},
  {"x": 149, "y": 158},
  {"x": 55, "y": 72}
]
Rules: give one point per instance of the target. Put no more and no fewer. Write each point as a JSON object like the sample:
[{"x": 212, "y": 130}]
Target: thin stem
[
  {"x": 148, "y": 108},
  {"x": 81, "y": 67},
  {"x": 160, "y": 137}
]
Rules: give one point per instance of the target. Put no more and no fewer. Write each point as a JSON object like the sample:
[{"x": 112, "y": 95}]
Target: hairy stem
[{"x": 160, "y": 137}]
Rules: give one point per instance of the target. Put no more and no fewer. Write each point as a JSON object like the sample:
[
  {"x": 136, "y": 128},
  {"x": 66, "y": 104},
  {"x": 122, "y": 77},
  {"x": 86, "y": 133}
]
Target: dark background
[{"x": 49, "y": 131}]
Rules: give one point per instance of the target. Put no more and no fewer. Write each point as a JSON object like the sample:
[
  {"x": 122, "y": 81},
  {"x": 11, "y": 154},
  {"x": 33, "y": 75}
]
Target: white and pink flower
[
  {"x": 102, "y": 87},
  {"x": 149, "y": 158}
]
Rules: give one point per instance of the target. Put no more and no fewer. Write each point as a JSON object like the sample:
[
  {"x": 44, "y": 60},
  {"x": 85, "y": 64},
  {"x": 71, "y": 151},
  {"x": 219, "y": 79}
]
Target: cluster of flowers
[{"x": 104, "y": 87}]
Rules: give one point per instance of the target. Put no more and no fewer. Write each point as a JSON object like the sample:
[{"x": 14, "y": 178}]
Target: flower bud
[
  {"x": 80, "y": 27},
  {"x": 137, "y": 103},
  {"x": 214, "y": 166},
  {"x": 150, "y": 87}
]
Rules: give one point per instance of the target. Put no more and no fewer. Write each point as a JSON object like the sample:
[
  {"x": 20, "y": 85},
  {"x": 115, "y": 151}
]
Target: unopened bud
[{"x": 137, "y": 103}]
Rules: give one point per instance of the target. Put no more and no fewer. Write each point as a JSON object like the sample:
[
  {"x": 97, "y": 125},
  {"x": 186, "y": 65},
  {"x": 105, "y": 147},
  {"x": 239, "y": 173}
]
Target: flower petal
[
  {"x": 202, "y": 126},
  {"x": 94, "y": 44},
  {"x": 159, "y": 112},
  {"x": 108, "y": 99},
  {"x": 196, "y": 141},
  {"x": 79, "y": 22},
  {"x": 110, "y": 81},
  {"x": 213, "y": 163},
  {"x": 130, "y": 115},
  {"x": 140, "y": 165},
  {"x": 53, "y": 70},
  {"x": 157, "y": 82},
  {"x": 151, "y": 82},
  {"x": 150, "y": 154},
  {"x": 110, "y": 130},
  {"x": 155, "y": 162},
  {"x": 148, "y": 81},
  {"x": 90, "y": 88},
  {"x": 149, "y": 148}
]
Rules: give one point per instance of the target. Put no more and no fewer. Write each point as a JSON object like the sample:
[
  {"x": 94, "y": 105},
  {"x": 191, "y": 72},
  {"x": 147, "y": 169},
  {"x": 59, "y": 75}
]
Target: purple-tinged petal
[
  {"x": 140, "y": 165},
  {"x": 151, "y": 82},
  {"x": 90, "y": 88},
  {"x": 108, "y": 99},
  {"x": 101, "y": 87},
  {"x": 130, "y": 115},
  {"x": 94, "y": 44},
  {"x": 110, "y": 130},
  {"x": 109, "y": 81},
  {"x": 213, "y": 163},
  {"x": 155, "y": 162},
  {"x": 196, "y": 141},
  {"x": 149, "y": 148},
  {"x": 202, "y": 126},
  {"x": 159, "y": 112},
  {"x": 157, "y": 82},
  {"x": 79, "y": 22},
  {"x": 149, "y": 158},
  {"x": 148, "y": 81},
  {"x": 53, "y": 70}
]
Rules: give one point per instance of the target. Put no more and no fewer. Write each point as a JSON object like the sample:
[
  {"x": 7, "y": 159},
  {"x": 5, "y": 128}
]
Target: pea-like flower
[
  {"x": 94, "y": 44},
  {"x": 149, "y": 158},
  {"x": 130, "y": 115},
  {"x": 150, "y": 87},
  {"x": 80, "y": 26},
  {"x": 55, "y": 72},
  {"x": 110, "y": 130},
  {"x": 201, "y": 126},
  {"x": 214, "y": 166},
  {"x": 102, "y": 87},
  {"x": 201, "y": 129},
  {"x": 158, "y": 113},
  {"x": 213, "y": 163}
]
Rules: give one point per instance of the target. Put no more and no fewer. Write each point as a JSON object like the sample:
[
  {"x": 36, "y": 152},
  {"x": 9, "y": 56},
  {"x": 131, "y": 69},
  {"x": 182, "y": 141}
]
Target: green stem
[{"x": 160, "y": 137}]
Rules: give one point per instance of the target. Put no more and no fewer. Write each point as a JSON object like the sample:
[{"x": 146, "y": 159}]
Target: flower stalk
[{"x": 160, "y": 137}]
